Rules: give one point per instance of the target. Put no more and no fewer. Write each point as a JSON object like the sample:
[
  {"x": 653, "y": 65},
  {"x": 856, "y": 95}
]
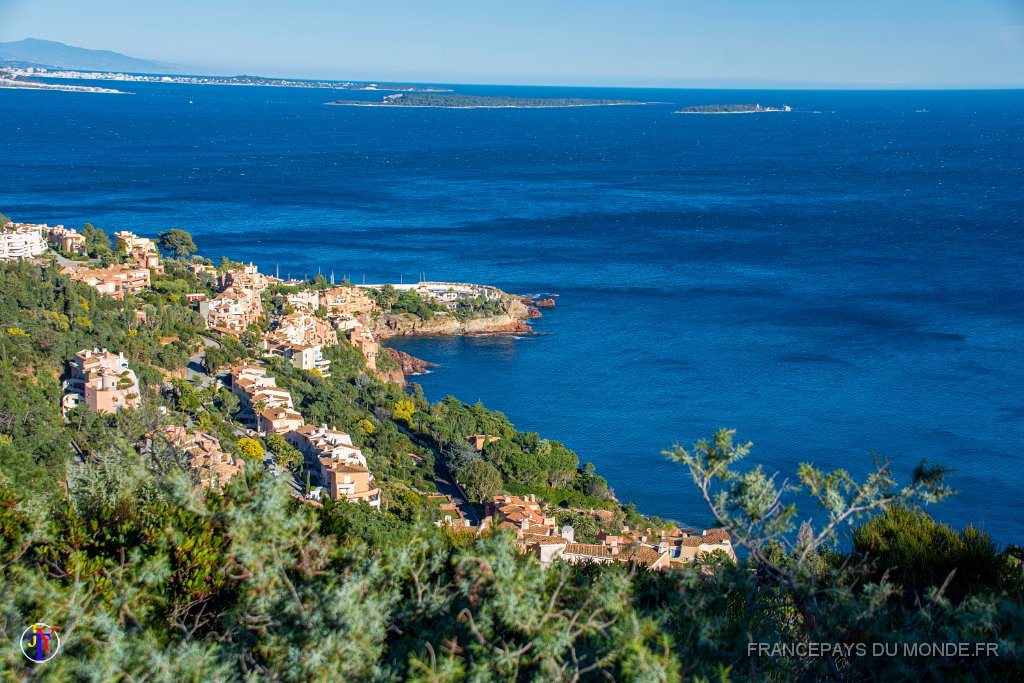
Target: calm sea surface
[{"x": 835, "y": 282}]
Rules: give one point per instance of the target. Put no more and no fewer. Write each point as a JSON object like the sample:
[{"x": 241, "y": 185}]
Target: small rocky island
[
  {"x": 731, "y": 109},
  {"x": 479, "y": 102}
]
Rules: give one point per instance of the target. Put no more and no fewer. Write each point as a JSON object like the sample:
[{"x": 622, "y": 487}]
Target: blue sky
[{"x": 706, "y": 43}]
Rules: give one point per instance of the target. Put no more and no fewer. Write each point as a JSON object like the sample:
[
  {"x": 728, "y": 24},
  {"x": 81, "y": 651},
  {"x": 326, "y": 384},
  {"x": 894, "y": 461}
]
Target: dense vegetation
[
  {"x": 476, "y": 101},
  {"x": 148, "y": 577},
  {"x": 392, "y": 300},
  {"x": 409, "y": 303},
  {"x": 478, "y": 306}
]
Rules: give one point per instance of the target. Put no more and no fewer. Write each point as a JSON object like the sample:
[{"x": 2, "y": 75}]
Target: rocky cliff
[
  {"x": 410, "y": 365},
  {"x": 406, "y": 365},
  {"x": 509, "y": 322}
]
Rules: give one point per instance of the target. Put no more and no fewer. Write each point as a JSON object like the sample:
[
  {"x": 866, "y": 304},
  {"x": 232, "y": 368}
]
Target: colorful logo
[{"x": 40, "y": 643}]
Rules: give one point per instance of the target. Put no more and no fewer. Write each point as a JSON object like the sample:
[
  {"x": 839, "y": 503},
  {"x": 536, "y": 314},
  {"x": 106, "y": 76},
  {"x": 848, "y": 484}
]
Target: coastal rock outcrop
[
  {"x": 511, "y": 321},
  {"x": 410, "y": 365},
  {"x": 545, "y": 303}
]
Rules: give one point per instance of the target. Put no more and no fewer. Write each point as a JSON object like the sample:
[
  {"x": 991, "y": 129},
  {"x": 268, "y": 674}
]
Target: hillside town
[{"x": 299, "y": 323}]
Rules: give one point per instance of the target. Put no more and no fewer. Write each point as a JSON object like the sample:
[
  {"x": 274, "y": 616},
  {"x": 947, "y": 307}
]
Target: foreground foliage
[{"x": 151, "y": 579}]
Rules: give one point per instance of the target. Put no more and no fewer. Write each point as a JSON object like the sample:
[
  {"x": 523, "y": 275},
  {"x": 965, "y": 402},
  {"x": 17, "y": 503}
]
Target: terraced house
[
  {"x": 141, "y": 250},
  {"x": 247, "y": 278},
  {"x": 340, "y": 464},
  {"x": 102, "y": 380},
  {"x": 347, "y": 300},
  {"x": 602, "y": 554},
  {"x": 265, "y": 406},
  {"x": 238, "y": 305},
  {"x": 300, "y": 338},
  {"x": 67, "y": 240},
  {"x": 537, "y": 533},
  {"x": 523, "y": 514},
  {"x": 688, "y": 547},
  {"x": 113, "y": 281},
  {"x": 209, "y": 465}
]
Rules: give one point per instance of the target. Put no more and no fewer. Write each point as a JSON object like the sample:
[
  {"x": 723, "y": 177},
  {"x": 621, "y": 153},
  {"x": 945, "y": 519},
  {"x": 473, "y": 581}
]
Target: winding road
[
  {"x": 194, "y": 371},
  {"x": 445, "y": 482}
]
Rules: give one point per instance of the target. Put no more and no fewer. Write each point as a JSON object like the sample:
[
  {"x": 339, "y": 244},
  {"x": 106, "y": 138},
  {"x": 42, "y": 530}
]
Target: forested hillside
[{"x": 149, "y": 577}]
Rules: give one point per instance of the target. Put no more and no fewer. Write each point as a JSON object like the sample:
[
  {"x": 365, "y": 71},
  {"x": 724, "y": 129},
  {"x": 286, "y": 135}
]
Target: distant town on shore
[{"x": 26, "y": 76}]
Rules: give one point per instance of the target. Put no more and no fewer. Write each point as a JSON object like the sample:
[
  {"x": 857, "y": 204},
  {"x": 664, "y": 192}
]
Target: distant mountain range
[{"x": 48, "y": 53}]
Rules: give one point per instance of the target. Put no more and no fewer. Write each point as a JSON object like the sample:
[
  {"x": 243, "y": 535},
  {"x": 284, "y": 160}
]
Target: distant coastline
[
  {"x": 75, "y": 74},
  {"x": 477, "y": 102},
  {"x": 16, "y": 84}
]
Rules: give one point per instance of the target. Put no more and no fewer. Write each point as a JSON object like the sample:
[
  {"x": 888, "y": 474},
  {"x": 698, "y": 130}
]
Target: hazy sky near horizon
[{"x": 702, "y": 43}]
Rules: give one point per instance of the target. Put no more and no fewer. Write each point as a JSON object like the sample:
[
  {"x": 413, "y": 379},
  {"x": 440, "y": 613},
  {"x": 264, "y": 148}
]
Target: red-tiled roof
[
  {"x": 716, "y": 536},
  {"x": 540, "y": 539},
  {"x": 588, "y": 550},
  {"x": 640, "y": 553},
  {"x": 339, "y": 466}
]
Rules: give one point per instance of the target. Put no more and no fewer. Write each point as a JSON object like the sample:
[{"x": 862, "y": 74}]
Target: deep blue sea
[{"x": 835, "y": 282}]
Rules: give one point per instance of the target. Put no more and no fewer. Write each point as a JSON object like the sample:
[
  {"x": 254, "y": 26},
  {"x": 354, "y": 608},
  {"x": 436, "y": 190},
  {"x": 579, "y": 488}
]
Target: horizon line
[
  {"x": 175, "y": 69},
  {"x": 772, "y": 86}
]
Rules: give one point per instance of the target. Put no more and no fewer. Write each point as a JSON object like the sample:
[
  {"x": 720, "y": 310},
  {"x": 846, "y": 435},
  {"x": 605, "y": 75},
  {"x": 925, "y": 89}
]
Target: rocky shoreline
[
  {"x": 512, "y": 321},
  {"x": 517, "y": 311},
  {"x": 410, "y": 365},
  {"x": 403, "y": 326}
]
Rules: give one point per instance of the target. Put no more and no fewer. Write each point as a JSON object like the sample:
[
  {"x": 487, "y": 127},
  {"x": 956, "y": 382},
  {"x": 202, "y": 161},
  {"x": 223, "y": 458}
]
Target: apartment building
[
  {"x": 349, "y": 300},
  {"x": 340, "y": 464},
  {"x": 264, "y": 405},
  {"x": 247, "y": 278},
  {"x": 19, "y": 241},
  {"x": 113, "y": 281},
  {"x": 317, "y": 441},
  {"x": 232, "y": 311},
  {"x": 300, "y": 338}
]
